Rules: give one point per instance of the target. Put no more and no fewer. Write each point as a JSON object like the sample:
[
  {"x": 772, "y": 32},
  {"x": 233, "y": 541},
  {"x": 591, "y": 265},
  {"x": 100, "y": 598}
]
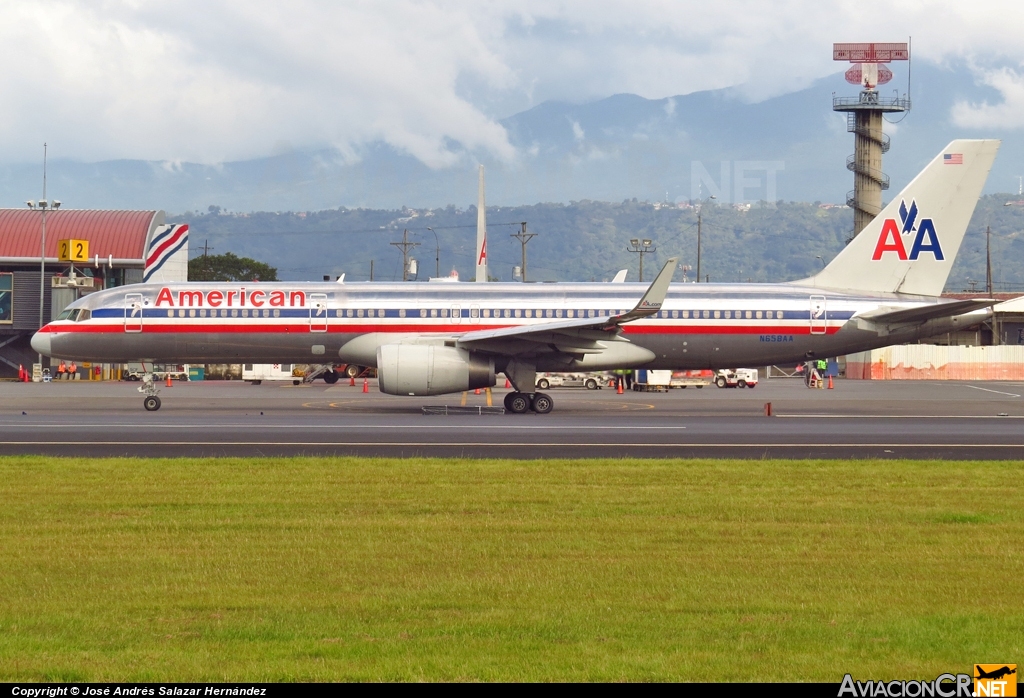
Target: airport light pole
[
  {"x": 642, "y": 247},
  {"x": 437, "y": 254},
  {"x": 43, "y": 206},
  {"x": 700, "y": 205}
]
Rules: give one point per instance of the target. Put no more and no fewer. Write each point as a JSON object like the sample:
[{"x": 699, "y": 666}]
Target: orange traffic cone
[
  {"x": 169, "y": 384},
  {"x": 619, "y": 389},
  {"x": 767, "y": 409},
  {"x": 352, "y": 381},
  {"x": 21, "y": 373},
  {"x": 508, "y": 383},
  {"x": 366, "y": 386},
  {"x": 830, "y": 382},
  {"x": 477, "y": 391}
]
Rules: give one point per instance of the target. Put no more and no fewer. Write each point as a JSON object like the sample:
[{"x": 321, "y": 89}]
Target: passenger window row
[
  {"x": 84, "y": 314},
  {"x": 224, "y": 312}
]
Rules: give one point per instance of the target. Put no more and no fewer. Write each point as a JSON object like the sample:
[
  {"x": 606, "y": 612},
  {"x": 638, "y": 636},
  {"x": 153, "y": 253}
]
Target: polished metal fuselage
[{"x": 699, "y": 325}]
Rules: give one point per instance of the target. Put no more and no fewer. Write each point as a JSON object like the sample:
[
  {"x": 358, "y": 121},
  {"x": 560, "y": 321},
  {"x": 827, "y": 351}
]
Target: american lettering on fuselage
[{"x": 431, "y": 339}]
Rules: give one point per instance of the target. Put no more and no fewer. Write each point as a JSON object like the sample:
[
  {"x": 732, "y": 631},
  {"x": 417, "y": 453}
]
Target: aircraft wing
[
  {"x": 889, "y": 315},
  {"x": 578, "y": 336}
]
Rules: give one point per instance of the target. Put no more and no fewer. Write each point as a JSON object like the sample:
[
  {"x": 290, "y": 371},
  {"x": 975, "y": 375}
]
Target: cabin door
[
  {"x": 318, "y": 312},
  {"x": 819, "y": 315},
  {"x": 133, "y": 312}
]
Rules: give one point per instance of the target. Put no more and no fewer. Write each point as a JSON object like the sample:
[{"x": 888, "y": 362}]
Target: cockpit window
[
  {"x": 84, "y": 314},
  {"x": 65, "y": 315}
]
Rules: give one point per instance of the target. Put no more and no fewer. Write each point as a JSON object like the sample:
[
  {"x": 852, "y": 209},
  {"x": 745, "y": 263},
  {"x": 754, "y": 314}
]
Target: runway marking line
[
  {"x": 989, "y": 390},
  {"x": 898, "y": 416},
  {"x": 491, "y": 444},
  {"x": 517, "y": 427}
]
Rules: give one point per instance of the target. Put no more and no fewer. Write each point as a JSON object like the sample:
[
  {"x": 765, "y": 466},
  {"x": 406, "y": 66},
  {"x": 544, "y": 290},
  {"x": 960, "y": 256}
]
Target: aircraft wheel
[
  {"x": 508, "y": 397},
  {"x": 518, "y": 403},
  {"x": 541, "y": 403},
  {"x": 331, "y": 377},
  {"x": 151, "y": 403},
  {"x": 353, "y": 371}
]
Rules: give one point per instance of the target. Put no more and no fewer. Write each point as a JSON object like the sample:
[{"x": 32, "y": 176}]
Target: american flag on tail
[{"x": 953, "y": 159}]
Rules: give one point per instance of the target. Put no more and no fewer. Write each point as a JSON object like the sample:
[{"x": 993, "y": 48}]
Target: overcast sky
[{"x": 218, "y": 80}]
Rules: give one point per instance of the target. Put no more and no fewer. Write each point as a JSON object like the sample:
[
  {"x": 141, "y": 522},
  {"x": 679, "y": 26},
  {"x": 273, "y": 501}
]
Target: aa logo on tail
[{"x": 891, "y": 237}]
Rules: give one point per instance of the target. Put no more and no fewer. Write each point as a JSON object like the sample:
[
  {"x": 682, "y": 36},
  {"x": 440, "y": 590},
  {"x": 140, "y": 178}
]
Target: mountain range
[{"x": 621, "y": 147}]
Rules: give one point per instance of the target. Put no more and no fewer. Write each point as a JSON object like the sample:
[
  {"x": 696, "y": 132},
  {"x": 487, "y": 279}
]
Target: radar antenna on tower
[{"x": 864, "y": 120}]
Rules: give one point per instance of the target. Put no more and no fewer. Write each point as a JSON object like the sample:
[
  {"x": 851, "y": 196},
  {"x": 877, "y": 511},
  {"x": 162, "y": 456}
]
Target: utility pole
[
  {"x": 371, "y": 270},
  {"x": 700, "y": 206},
  {"x": 524, "y": 237},
  {"x": 206, "y": 264},
  {"x": 988, "y": 260},
  {"x": 405, "y": 246},
  {"x": 642, "y": 247},
  {"x": 988, "y": 281}
]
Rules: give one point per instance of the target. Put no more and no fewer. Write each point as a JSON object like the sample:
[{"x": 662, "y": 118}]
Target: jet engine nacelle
[{"x": 423, "y": 369}]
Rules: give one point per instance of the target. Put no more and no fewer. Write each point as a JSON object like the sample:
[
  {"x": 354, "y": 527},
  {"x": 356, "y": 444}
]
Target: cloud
[
  {"x": 215, "y": 80},
  {"x": 1008, "y": 114}
]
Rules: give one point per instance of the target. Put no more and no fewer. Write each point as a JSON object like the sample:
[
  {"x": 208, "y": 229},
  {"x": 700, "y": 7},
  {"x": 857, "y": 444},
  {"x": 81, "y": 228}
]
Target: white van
[{"x": 257, "y": 373}]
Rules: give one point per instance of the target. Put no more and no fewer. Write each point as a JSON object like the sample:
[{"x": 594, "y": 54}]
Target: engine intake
[{"x": 423, "y": 369}]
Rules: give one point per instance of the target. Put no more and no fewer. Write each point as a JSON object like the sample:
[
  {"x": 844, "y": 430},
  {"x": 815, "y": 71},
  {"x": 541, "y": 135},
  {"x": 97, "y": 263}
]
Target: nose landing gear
[{"x": 149, "y": 389}]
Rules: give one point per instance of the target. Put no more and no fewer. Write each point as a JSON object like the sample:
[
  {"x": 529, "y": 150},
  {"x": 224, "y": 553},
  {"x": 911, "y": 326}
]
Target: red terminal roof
[{"x": 118, "y": 234}]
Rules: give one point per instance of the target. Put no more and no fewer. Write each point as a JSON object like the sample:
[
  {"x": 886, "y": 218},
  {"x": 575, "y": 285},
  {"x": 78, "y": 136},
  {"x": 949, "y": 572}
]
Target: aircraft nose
[{"x": 41, "y": 343}]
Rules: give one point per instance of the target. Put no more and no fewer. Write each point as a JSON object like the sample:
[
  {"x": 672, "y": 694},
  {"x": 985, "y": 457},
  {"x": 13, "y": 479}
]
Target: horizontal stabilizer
[{"x": 889, "y": 315}]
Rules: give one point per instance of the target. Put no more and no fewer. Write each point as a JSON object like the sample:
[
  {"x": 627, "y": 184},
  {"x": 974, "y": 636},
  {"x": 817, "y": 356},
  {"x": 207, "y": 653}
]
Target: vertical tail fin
[{"x": 910, "y": 246}]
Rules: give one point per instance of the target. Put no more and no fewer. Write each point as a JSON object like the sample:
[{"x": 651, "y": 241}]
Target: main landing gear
[
  {"x": 149, "y": 389},
  {"x": 519, "y": 403}
]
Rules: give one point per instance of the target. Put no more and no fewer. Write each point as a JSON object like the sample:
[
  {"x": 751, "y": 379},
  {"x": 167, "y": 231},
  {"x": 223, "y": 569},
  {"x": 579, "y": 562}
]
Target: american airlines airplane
[{"x": 431, "y": 339}]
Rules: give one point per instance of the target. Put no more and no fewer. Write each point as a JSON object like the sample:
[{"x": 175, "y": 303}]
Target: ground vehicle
[
  {"x": 646, "y": 380},
  {"x": 257, "y": 373},
  {"x": 135, "y": 371},
  {"x": 590, "y": 381},
  {"x": 332, "y": 373},
  {"x": 736, "y": 378},
  {"x": 686, "y": 379}
]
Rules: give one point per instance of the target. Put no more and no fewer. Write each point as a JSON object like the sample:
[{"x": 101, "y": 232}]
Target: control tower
[{"x": 864, "y": 120}]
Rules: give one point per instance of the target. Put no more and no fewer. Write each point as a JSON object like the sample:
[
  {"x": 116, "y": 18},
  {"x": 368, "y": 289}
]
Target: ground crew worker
[
  {"x": 72, "y": 370},
  {"x": 621, "y": 378},
  {"x": 822, "y": 370},
  {"x": 62, "y": 370}
]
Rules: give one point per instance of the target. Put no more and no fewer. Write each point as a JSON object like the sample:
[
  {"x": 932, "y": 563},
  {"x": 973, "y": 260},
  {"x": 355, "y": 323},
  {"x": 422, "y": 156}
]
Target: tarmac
[{"x": 857, "y": 419}]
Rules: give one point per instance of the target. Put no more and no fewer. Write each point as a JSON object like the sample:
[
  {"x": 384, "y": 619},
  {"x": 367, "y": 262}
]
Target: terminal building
[{"x": 85, "y": 251}]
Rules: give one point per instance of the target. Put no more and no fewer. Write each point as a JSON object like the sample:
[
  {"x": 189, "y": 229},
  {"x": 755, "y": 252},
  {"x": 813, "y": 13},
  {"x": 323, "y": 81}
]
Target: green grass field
[{"x": 338, "y": 569}]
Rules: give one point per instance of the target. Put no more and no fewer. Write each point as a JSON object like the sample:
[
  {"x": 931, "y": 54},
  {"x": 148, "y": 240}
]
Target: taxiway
[{"x": 904, "y": 419}]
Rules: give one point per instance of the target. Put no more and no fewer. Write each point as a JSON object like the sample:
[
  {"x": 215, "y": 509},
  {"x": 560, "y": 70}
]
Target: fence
[{"x": 932, "y": 362}]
